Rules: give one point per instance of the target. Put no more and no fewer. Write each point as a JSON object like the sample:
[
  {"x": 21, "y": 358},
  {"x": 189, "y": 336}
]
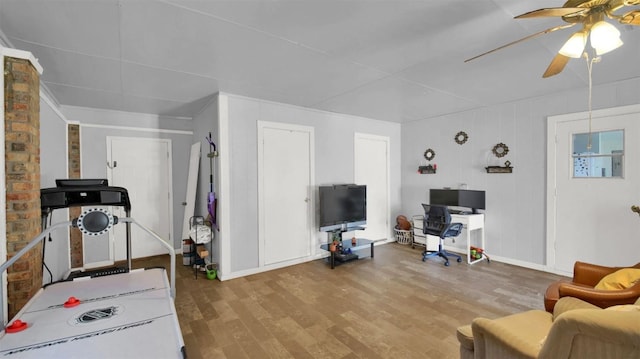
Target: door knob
[{"x": 635, "y": 209}]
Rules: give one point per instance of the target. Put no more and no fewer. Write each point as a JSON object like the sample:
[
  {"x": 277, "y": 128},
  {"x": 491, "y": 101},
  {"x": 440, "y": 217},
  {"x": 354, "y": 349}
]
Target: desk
[{"x": 471, "y": 222}]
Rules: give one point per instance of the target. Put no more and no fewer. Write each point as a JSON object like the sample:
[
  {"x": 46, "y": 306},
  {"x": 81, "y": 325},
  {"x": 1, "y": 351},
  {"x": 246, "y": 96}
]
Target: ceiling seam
[
  {"x": 385, "y": 74},
  {"x": 120, "y": 46},
  {"x": 132, "y": 62},
  {"x": 115, "y": 92},
  {"x": 278, "y": 37}
]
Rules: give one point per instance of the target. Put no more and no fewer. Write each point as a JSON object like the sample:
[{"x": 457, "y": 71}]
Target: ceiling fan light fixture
[
  {"x": 574, "y": 47},
  {"x": 604, "y": 37}
]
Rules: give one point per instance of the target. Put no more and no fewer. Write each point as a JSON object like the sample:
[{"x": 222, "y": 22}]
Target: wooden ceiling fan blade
[
  {"x": 631, "y": 18},
  {"x": 556, "y": 66},
  {"x": 553, "y": 12},
  {"x": 552, "y": 29}
]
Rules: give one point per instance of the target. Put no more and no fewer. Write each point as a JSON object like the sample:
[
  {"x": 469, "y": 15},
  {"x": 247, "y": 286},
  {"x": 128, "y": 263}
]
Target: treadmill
[{"x": 116, "y": 312}]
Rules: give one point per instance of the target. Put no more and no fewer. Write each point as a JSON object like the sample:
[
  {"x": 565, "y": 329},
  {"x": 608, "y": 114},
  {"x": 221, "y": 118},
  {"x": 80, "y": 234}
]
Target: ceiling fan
[{"x": 590, "y": 13}]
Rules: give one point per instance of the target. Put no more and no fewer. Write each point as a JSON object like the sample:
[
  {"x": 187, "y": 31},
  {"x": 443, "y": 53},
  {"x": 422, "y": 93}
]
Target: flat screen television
[
  {"x": 472, "y": 199},
  {"x": 342, "y": 206}
]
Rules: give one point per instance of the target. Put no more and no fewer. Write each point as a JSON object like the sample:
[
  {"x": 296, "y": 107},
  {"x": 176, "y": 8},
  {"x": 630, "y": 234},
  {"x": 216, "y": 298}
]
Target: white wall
[
  {"x": 334, "y": 136},
  {"x": 516, "y": 206},
  {"x": 205, "y": 122},
  {"x": 96, "y": 125},
  {"x": 53, "y": 165}
]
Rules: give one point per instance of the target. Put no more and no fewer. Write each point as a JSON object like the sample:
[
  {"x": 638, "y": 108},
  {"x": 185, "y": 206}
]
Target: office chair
[{"x": 437, "y": 222}]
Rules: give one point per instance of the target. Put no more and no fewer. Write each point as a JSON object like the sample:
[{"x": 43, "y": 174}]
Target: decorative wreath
[
  {"x": 500, "y": 150},
  {"x": 461, "y": 137},
  {"x": 429, "y": 154}
]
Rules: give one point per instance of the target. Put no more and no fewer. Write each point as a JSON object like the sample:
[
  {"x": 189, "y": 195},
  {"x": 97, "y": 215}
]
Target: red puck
[
  {"x": 71, "y": 302},
  {"x": 16, "y": 326}
]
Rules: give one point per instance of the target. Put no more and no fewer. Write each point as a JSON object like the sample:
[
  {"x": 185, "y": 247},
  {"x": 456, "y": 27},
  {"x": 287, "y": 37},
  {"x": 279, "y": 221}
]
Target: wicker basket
[{"x": 402, "y": 236}]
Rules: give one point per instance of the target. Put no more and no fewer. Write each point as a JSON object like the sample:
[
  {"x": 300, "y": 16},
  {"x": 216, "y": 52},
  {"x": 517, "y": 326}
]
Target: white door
[
  {"x": 371, "y": 162},
  {"x": 285, "y": 180},
  {"x": 143, "y": 167},
  {"x": 589, "y": 219}
]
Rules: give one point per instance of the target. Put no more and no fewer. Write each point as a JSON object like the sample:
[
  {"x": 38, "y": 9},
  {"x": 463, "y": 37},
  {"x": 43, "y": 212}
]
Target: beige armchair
[{"x": 576, "y": 329}]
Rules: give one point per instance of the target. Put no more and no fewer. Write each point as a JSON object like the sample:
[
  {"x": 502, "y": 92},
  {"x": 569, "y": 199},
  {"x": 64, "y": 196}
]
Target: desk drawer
[{"x": 417, "y": 222}]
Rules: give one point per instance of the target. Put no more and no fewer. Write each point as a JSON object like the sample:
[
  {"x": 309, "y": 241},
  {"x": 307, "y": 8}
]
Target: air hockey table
[{"x": 116, "y": 313}]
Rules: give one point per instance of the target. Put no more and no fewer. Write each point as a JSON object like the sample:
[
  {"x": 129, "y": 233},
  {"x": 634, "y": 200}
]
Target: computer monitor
[{"x": 472, "y": 199}]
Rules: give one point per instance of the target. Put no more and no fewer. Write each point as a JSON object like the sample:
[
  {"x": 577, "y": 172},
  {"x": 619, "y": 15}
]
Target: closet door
[
  {"x": 371, "y": 165},
  {"x": 285, "y": 181},
  {"x": 143, "y": 167}
]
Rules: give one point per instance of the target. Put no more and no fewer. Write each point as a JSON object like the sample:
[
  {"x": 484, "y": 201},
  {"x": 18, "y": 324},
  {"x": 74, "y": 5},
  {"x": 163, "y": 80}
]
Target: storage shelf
[{"x": 499, "y": 169}]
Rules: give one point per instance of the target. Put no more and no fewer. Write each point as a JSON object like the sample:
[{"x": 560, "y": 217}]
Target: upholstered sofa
[{"x": 576, "y": 329}]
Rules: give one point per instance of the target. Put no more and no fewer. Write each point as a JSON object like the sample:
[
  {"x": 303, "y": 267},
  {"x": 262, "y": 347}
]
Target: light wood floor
[{"x": 391, "y": 306}]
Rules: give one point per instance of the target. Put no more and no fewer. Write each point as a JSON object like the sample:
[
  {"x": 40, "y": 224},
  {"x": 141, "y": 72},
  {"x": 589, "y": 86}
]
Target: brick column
[
  {"x": 75, "y": 236},
  {"x": 22, "y": 177}
]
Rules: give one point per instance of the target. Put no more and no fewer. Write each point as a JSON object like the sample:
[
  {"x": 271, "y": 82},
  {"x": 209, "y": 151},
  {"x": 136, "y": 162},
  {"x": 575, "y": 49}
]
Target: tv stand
[{"x": 346, "y": 249}]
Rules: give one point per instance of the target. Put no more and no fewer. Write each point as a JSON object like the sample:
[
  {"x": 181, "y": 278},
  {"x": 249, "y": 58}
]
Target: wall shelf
[
  {"x": 499, "y": 169},
  {"x": 427, "y": 169}
]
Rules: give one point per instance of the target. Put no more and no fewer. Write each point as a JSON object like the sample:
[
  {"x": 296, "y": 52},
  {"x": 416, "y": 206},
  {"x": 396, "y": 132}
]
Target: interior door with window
[{"x": 594, "y": 180}]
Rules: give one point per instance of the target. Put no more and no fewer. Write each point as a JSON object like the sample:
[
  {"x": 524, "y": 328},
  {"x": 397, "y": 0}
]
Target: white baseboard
[
  {"x": 511, "y": 261},
  {"x": 246, "y": 272},
  {"x": 515, "y": 262}
]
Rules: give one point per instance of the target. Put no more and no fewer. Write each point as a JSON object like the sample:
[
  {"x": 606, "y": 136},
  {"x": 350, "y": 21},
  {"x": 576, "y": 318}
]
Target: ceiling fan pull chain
[{"x": 590, "y": 63}]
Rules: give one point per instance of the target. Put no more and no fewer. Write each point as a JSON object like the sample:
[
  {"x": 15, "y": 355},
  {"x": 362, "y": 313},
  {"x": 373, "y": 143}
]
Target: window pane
[{"x": 603, "y": 159}]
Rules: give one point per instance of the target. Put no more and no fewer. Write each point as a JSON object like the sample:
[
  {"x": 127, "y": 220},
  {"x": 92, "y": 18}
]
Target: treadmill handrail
[
  {"x": 45, "y": 233},
  {"x": 172, "y": 251},
  {"x": 17, "y": 256}
]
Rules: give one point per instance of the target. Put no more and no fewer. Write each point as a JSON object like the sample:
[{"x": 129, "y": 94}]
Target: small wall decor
[
  {"x": 461, "y": 137},
  {"x": 499, "y": 169},
  {"x": 429, "y": 154},
  {"x": 500, "y": 150},
  {"x": 429, "y": 169}
]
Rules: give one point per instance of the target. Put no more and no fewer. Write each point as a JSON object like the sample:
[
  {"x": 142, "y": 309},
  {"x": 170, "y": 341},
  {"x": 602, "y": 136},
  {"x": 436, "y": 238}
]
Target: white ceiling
[{"x": 392, "y": 60}]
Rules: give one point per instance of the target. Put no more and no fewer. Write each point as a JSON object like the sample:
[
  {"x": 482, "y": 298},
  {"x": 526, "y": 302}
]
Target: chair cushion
[
  {"x": 620, "y": 279},
  {"x": 532, "y": 324},
  {"x": 566, "y": 304},
  {"x": 465, "y": 336},
  {"x": 625, "y": 308}
]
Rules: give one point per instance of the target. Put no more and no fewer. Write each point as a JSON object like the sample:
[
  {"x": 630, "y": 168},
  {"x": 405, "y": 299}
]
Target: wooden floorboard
[{"x": 392, "y": 306}]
